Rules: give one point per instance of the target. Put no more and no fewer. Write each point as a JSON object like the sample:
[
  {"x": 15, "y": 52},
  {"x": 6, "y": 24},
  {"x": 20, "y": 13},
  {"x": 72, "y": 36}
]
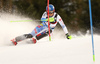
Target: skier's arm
[{"x": 59, "y": 19}]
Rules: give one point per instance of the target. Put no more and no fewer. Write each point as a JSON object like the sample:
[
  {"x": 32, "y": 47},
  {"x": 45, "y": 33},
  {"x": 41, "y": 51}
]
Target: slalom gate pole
[
  {"x": 48, "y": 20},
  {"x": 91, "y": 29}
]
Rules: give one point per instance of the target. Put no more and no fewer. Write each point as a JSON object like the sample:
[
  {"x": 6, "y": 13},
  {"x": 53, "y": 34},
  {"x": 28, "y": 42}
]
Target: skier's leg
[
  {"x": 23, "y": 37},
  {"x": 43, "y": 34},
  {"x": 39, "y": 29},
  {"x": 20, "y": 38}
]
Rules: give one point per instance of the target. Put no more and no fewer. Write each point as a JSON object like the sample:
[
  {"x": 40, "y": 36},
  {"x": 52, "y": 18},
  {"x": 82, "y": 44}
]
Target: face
[{"x": 51, "y": 13}]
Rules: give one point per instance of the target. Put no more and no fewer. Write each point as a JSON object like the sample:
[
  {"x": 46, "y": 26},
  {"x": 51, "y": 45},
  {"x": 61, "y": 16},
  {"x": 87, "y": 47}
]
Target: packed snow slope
[{"x": 58, "y": 51}]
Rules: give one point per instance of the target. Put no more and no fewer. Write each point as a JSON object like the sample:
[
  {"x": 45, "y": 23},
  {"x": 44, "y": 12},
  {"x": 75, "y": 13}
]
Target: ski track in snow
[{"x": 58, "y": 51}]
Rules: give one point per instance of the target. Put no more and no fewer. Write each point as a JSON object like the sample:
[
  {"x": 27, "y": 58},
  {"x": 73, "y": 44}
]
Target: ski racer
[{"x": 42, "y": 30}]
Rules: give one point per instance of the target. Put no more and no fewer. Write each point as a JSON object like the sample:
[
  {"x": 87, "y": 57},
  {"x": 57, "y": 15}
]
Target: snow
[{"x": 58, "y": 51}]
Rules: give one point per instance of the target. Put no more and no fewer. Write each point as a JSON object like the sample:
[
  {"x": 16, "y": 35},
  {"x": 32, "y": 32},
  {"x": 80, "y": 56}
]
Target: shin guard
[
  {"x": 43, "y": 34},
  {"x": 23, "y": 37}
]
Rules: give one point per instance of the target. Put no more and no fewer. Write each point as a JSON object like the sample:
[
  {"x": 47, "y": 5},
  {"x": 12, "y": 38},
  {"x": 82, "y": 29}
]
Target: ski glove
[{"x": 68, "y": 36}]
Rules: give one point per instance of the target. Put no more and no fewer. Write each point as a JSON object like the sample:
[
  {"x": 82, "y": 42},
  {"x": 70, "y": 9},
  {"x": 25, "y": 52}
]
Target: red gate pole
[{"x": 48, "y": 20}]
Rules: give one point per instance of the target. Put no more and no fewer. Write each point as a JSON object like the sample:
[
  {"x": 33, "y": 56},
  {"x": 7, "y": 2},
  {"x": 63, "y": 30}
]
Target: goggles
[{"x": 50, "y": 12}]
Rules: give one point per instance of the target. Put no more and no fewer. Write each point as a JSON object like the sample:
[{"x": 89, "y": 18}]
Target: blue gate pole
[{"x": 91, "y": 29}]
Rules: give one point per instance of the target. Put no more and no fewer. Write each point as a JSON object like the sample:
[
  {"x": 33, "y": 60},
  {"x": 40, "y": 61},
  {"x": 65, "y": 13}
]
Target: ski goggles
[{"x": 50, "y": 12}]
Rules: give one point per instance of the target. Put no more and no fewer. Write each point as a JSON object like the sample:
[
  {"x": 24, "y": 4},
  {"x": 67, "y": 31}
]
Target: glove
[{"x": 68, "y": 36}]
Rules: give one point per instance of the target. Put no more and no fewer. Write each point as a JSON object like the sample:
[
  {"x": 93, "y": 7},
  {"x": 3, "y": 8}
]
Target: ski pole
[{"x": 91, "y": 29}]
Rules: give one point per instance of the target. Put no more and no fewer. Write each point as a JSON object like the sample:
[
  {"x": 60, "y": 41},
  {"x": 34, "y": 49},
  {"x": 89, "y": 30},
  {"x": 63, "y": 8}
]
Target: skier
[{"x": 42, "y": 30}]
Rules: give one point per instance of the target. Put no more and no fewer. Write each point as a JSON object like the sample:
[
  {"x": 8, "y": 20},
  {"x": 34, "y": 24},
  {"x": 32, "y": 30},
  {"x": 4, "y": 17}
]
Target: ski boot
[
  {"x": 33, "y": 40},
  {"x": 14, "y": 42}
]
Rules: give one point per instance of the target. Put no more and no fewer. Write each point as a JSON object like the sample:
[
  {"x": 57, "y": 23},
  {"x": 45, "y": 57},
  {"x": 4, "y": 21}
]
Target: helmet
[{"x": 51, "y": 7}]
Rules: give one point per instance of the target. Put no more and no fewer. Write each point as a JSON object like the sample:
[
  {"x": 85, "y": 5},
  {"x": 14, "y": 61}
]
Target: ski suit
[{"x": 44, "y": 25}]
